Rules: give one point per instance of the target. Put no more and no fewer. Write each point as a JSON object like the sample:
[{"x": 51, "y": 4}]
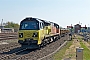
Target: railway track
[
  {"x": 39, "y": 54},
  {"x": 8, "y": 36},
  {"x": 7, "y": 47},
  {"x": 12, "y": 53},
  {"x": 22, "y": 53}
]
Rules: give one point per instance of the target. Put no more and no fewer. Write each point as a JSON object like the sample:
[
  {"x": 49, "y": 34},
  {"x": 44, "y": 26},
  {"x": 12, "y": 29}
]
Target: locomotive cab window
[
  {"x": 57, "y": 26},
  {"x": 29, "y": 25},
  {"x": 41, "y": 26}
]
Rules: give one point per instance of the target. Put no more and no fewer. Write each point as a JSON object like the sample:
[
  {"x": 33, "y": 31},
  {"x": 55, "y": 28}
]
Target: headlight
[
  {"x": 35, "y": 34},
  {"x": 21, "y": 35}
]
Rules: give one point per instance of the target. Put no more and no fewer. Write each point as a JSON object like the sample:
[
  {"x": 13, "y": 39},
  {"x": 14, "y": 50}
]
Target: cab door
[{"x": 41, "y": 32}]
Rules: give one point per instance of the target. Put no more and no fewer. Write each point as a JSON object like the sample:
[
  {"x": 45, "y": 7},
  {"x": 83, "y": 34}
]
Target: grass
[
  {"x": 86, "y": 51},
  {"x": 60, "y": 53}
]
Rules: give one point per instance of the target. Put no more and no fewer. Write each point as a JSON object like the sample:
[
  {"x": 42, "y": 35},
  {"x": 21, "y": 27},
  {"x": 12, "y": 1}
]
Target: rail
[
  {"x": 14, "y": 53},
  {"x": 8, "y": 36}
]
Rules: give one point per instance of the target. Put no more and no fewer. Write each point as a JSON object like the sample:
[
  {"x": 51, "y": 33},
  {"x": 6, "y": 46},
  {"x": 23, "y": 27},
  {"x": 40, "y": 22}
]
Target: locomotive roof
[
  {"x": 45, "y": 21},
  {"x": 30, "y": 18},
  {"x": 36, "y": 19},
  {"x": 56, "y": 24}
]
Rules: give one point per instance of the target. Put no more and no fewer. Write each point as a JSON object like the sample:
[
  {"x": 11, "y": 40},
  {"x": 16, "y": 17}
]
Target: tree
[{"x": 12, "y": 25}]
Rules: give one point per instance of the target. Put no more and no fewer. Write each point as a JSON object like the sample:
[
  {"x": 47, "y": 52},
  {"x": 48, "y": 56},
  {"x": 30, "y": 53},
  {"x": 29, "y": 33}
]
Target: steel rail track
[
  {"x": 53, "y": 52},
  {"x": 37, "y": 54},
  {"x": 12, "y": 54},
  {"x": 8, "y": 36}
]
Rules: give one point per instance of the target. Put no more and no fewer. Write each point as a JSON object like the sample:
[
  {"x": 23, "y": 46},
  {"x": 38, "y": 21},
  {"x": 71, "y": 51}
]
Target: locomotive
[{"x": 34, "y": 32}]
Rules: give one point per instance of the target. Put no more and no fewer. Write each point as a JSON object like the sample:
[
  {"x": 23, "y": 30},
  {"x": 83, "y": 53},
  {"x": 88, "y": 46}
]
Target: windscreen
[{"x": 29, "y": 25}]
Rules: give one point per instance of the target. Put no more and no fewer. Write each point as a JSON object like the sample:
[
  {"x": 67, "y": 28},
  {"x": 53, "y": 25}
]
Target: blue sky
[{"x": 63, "y": 12}]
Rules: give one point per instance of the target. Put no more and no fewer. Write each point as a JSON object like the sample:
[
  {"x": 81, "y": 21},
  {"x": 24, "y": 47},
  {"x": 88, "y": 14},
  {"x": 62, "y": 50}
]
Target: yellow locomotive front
[{"x": 31, "y": 32}]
